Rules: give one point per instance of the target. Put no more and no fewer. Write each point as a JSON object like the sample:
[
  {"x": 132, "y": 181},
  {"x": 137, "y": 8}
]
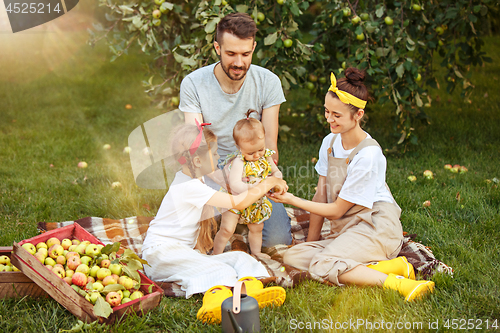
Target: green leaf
[
  {"x": 133, "y": 264},
  {"x": 210, "y": 27},
  {"x": 380, "y": 11},
  {"x": 112, "y": 287},
  {"x": 129, "y": 254},
  {"x": 271, "y": 39},
  {"x": 241, "y": 8},
  {"x": 284, "y": 82},
  {"x": 400, "y": 70},
  {"x": 150, "y": 288},
  {"x": 102, "y": 308},
  {"x": 131, "y": 273},
  {"x": 110, "y": 248},
  {"x": 418, "y": 100},
  {"x": 290, "y": 77}
]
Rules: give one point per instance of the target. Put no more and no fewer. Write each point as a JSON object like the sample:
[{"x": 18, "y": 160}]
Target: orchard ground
[{"x": 62, "y": 101}]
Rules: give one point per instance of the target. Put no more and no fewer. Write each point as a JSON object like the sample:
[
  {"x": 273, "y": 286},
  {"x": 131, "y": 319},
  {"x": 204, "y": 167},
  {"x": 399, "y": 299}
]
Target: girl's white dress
[{"x": 171, "y": 238}]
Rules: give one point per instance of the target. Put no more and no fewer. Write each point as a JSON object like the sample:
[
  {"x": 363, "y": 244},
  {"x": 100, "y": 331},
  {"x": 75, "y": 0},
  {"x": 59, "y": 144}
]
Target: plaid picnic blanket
[{"x": 131, "y": 231}]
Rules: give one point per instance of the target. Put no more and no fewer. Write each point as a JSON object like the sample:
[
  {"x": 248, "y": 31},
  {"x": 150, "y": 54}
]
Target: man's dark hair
[{"x": 239, "y": 24}]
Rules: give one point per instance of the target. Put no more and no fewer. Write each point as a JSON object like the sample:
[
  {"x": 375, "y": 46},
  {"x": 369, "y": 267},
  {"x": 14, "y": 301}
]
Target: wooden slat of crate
[
  {"x": 63, "y": 293},
  {"x": 16, "y": 284}
]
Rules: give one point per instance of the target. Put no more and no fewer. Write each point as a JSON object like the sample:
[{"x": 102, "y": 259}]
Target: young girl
[
  {"x": 172, "y": 236},
  {"x": 366, "y": 232},
  {"x": 252, "y": 162}
]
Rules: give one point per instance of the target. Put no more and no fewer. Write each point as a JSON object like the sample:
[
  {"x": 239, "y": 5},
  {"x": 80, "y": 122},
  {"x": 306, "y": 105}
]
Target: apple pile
[
  {"x": 6, "y": 265},
  {"x": 456, "y": 168},
  {"x": 93, "y": 270}
]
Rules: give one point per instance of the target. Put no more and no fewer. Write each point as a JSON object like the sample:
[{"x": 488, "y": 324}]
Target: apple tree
[{"x": 303, "y": 41}]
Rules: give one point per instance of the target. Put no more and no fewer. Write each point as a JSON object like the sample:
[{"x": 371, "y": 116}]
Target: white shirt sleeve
[
  {"x": 196, "y": 193},
  {"x": 322, "y": 164},
  {"x": 363, "y": 177}
]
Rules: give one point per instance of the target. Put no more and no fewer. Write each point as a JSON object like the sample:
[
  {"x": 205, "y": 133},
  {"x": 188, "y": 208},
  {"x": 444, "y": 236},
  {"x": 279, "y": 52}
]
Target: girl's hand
[{"x": 282, "y": 197}]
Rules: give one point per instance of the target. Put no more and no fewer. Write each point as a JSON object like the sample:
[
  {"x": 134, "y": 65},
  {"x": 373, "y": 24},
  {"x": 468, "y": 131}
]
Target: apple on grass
[
  {"x": 412, "y": 178},
  {"x": 448, "y": 166},
  {"x": 29, "y": 247},
  {"x": 428, "y": 174}
]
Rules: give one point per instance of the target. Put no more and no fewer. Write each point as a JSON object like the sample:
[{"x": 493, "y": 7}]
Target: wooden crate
[
  {"x": 67, "y": 296},
  {"x": 16, "y": 284}
]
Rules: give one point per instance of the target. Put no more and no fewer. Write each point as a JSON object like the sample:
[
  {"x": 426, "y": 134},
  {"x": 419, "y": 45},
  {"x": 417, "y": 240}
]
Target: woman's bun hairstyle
[{"x": 355, "y": 77}]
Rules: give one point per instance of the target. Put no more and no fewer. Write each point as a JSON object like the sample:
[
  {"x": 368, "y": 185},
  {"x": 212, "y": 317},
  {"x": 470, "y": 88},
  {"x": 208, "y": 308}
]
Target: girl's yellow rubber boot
[
  {"x": 264, "y": 296},
  {"x": 212, "y": 301}
]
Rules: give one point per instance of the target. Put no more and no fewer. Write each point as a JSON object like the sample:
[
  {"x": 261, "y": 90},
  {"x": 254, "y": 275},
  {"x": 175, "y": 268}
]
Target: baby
[{"x": 253, "y": 163}]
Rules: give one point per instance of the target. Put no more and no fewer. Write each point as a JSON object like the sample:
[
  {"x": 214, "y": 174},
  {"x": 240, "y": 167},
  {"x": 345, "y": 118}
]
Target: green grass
[{"x": 60, "y": 101}]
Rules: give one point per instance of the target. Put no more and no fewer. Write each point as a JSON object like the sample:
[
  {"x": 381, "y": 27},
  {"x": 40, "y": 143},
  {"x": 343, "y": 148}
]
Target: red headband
[{"x": 196, "y": 144}]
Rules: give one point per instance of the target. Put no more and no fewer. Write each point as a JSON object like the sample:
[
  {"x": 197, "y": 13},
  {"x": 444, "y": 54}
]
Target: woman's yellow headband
[{"x": 345, "y": 97}]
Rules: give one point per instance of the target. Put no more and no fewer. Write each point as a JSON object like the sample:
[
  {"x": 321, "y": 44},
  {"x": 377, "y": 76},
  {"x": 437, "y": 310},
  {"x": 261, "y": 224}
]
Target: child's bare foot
[{"x": 261, "y": 255}]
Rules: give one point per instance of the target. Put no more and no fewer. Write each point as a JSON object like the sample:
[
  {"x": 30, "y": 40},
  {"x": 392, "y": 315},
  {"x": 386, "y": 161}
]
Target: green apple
[
  {"x": 51, "y": 241},
  {"x": 41, "y": 245},
  {"x": 223, "y": 2},
  {"x": 82, "y": 268},
  {"x": 66, "y": 243},
  {"x": 156, "y": 13},
  {"x": 365, "y": 16},
  {"x": 416, "y": 7},
  {"x": 322, "y": 80},
  {"x": 126, "y": 293},
  {"x": 4, "y": 260},
  {"x": 126, "y": 300},
  {"x": 126, "y": 282},
  {"x": 356, "y": 19},
  {"x": 102, "y": 273},
  {"x": 260, "y": 16},
  {"x": 43, "y": 251},
  {"x": 136, "y": 294},
  {"x": 164, "y": 8},
  {"x": 29, "y": 247},
  {"x": 156, "y": 22},
  {"x": 418, "y": 78},
  {"x": 175, "y": 101},
  {"x": 69, "y": 273},
  {"x": 313, "y": 78},
  {"x": 115, "y": 269},
  {"x": 92, "y": 250},
  {"x": 75, "y": 241},
  {"x": 8, "y": 268},
  {"x": 159, "y": 2},
  {"x": 93, "y": 270},
  {"x": 310, "y": 85},
  {"x": 388, "y": 20},
  {"x": 439, "y": 30},
  {"x": 288, "y": 42},
  {"x": 40, "y": 257},
  {"x": 344, "y": 64},
  {"x": 2, "y": 267},
  {"x": 97, "y": 286},
  {"x": 94, "y": 295},
  {"x": 49, "y": 261},
  {"x": 280, "y": 2},
  {"x": 86, "y": 260},
  {"x": 360, "y": 36},
  {"x": 346, "y": 11}
]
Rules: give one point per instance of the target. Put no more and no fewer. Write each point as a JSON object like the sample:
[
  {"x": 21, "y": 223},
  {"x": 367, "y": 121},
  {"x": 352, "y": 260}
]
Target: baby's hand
[{"x": 281, "y": 187}]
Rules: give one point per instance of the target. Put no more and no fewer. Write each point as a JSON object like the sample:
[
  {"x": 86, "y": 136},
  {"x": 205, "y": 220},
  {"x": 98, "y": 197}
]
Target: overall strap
[
  {"x": 331, "y": 143},
  {"x": 363, "y": 144}
]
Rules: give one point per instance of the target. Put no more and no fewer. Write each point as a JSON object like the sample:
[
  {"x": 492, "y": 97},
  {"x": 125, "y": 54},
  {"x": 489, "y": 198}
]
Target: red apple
[
  {"x": 73, "y": 262},
  {"x": 113, "y": 298},
  {"x": 55, "y": 251},
  {"x": 79, "y": 279}
]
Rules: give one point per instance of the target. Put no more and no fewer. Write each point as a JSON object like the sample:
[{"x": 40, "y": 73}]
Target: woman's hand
[{"x": 286, "y": 198}]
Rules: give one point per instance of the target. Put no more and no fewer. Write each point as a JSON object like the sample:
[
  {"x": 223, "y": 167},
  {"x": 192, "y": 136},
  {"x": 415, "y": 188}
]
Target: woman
[{"x": 366, "y": 233}]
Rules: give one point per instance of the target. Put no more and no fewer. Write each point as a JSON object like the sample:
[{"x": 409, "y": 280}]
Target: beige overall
[{"x": 362, "y": 236}]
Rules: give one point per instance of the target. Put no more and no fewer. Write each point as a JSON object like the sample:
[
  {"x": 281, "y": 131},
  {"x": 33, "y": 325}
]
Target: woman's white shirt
[
  {"x": 178, "y": 218},
  {"x": 365, "y": 182}
]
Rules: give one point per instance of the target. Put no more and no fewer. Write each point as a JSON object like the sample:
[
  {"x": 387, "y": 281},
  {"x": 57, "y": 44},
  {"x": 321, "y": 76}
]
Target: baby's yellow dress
[{"x": 260, "y": 210}]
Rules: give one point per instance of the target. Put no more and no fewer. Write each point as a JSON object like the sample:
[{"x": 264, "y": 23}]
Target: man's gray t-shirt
[{"x": 202, "y": 93}]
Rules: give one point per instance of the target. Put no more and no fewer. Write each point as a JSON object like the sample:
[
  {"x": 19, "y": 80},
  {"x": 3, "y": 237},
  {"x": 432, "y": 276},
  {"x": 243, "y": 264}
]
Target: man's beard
[{"x": 233, "y": 77}]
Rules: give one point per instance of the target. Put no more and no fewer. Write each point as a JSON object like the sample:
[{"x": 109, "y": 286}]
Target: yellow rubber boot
[
  {"x": 410, "y": 289},
  {"x": 398, "y": 266},
  {"x": 264, "y": 296},
  {"x": 212, "y": 301}
]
